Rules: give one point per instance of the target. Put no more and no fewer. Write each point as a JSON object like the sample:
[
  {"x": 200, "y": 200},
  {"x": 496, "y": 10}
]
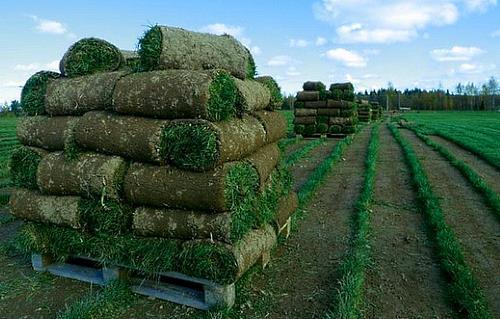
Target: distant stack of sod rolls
[
  {"x": 319, "y": 111},
  {"x": 365, "y": 112},
  {"x": 376, "y": 111},
  {"x": 165, "y": 160}
]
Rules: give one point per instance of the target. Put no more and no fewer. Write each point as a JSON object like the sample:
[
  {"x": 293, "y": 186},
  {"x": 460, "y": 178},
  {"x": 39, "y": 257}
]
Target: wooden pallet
[{"x": 171, "y": 286}]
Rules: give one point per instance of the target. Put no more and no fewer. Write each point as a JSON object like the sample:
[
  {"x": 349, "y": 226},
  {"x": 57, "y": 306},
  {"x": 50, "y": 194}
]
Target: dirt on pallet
[
  {"x": 303, "y": 168},
  {"x": 467, "y": 214},
  {"x": 404, "y": 280},
  {"x": 490, "y": 174},
  {"x": 302, "y": 276}
]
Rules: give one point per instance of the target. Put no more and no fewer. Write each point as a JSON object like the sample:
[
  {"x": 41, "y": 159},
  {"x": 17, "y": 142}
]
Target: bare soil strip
[
  {"x": 465, "y": 211},
  {"x": 305, "y": 166},
  {"x": 292, "y": 148},
  {"x": 404, "y": 280},
  {"x": 302, "y": 276},
  {"x": 490, "y": 174}
]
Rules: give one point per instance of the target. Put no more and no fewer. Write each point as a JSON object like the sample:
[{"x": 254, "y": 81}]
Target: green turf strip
[
  {"x": 491, "y": 197},
  {"x": 349, "y": 297},
  {"x": 463, "y": 289}
]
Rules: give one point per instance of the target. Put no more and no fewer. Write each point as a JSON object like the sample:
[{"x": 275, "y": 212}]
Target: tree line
[{"x": 467, "y": 97}]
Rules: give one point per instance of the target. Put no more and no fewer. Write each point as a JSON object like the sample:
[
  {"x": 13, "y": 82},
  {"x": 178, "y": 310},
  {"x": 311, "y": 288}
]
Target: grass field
[
  {"x": 393, "y": 222},
  {"x": 8, "y": 142}
]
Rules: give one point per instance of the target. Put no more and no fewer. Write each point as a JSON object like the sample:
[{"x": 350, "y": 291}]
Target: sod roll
[
  {"x": 286, "y": 207},
  {"x": 96, "y": 216},
  {"x": 137, "y": 138},
  {"x": 305, "y": 120},
  {"x": 342, "y": 86},
  {"x": 306, "y": 112},
  {"x": 329, "y": 112},
  {"x": 181, "y": 224},
  {"x": 315, "y": 104},
  {"x": 274, "y": 123},
  {"x": 200, "y": 145},
  {"x": 50, "y": 133},
  {"x": 341, "y": 121},
  {"x": 308, "y": 96},
  {"x": 299, "y": 128},
  {"x": 131, "y": 59},
  {"x": 252, "y": 96},
  {"x": 34, "y": 90},
  {"x": 23, "y": 166},
  {"x": 339, "y": 104},
  {"x": 90, "y": 175},
  {"x": 335, "y": 129},
  {"x": 251, "y": 247},
  {"x": 91, "y": 55},
  {"x": 31, "y": 205},
  {"x": 274, "y": 90},
  {"x": 212, "y": 191},
  {"x": 163, "y": 48},
  {"x": 309, "y": 130},
  {"x": 172, "y": 94},
  {"x": 77, "y": 96},
  {"x": 314, "y": 86},
  {"x": 265, "y": 161}
]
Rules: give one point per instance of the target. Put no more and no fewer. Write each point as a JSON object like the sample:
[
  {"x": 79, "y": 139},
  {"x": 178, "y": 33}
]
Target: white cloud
[
  {"x": 292, "y": 71},
  {"x": 298, "y": 43},
  {"x": 350, "y": 78},
  {"x": 479, "y": 5},
  {"x": 52, "y": 66},
  {"x": 12, "y": 84},
  {"x": 356, "y": 33},
  {"x": 346, "y": 57},
  {"x": 377, "y": 21},
  {"x": 280, "y": 60},
  {"x": 49, "y": 26},
  {"x": 235, "y": 31},
  {"x": 456, "y": 53},
  {"x": 320, "y": 41},
  {"x": 371, "y": 51},
  {"x": 472, "y": 68},
  {"x": 495, "y": 33}
]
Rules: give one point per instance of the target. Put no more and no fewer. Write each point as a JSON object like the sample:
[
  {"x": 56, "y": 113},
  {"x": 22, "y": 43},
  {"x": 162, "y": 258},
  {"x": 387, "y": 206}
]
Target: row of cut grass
[
  {"x": 352, "y": 270},
  {"x": 491, "y": 197},
  {"x": 463, "y": 288}
]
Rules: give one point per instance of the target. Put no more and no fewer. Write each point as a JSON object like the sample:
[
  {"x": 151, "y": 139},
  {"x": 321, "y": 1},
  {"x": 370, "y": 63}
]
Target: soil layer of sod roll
[
  {"x": 211, "y": 191},
  {"x": 90, "y": 175},
  {"x": 33, "y": 92},
  {"x": 79, "y": 95},
  {"x": 163, "y": 48},
  {"x": 50, "y": 133},
  {"x": 275, "y": 125},
  {"x": 221, "y": 263},
  {"x": 201, "y": 145},
  {"x": 173, "y": 94},
  {"x": 252, "y": 96},
  {"x": 286, "y": 207},
  {"x": 132, "y": 137},
  {"x": 23, "y": 166},
  {"x": 265, "y": 161},
  {"x": 274, "y": 90},
  {"x": 71, "y": 211},
  {"x": 91, "y": 55}
]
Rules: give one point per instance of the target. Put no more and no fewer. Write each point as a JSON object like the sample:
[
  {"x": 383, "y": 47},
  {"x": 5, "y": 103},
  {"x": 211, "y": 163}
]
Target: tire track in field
[
  {"x": 467, "y": 214},
  {"x": 490, "y": 174},
  {"x": 404, "y": 280},
  {"x": 302, "y": 277}
]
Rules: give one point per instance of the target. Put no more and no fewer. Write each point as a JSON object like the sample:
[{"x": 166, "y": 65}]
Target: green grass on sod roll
[
  {"x": 463, "y": 288},
  {"x": 33, "y": 92},
  {"x": 223, "y": 95},
  {"x": 23, "y": 167},
  {"x": 196, "y": 144},
  {"x": 274, "y": 89},
  {"x": 349, "y": 297},
  {"x": 91, "y": 55},
  {"x": 150, "y": 49}
]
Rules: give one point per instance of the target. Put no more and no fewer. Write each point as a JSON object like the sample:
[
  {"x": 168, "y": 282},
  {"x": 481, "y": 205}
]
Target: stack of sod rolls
[
  {"x": 365, "y": 112},
  {"x": 321, "y": 111},
  {"x": 376, "y": 111},
  {"x": 169, "y": 165}
]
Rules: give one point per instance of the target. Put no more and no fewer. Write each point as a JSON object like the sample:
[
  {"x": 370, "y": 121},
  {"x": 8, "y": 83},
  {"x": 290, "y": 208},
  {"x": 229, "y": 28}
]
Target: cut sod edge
[
  {"x": 352, "y": 269},
  {"x": 463, "y": 289}
]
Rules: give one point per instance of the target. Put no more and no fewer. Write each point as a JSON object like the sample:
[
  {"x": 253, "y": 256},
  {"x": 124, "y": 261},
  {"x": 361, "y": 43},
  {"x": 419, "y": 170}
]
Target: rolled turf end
[
  {"x": 274, "y": 89},
  {"x": 299, "y": 129},
  {"x": 190, "y": 145},
  {"x": 322, "y": 128},
  {"x": 109, "y": 216},
  {"x": 150, "y": 49},
  {"x": 309, "y": 129},
  {"x": 23, "y": 167},
  {"x": 223, "y": 94},
  {"x": 33, "y": 93},
  {"x": 91, "y": 55}
]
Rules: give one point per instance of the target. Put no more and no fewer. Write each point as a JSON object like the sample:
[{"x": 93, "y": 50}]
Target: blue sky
[{"x": 369, "y": 42}]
